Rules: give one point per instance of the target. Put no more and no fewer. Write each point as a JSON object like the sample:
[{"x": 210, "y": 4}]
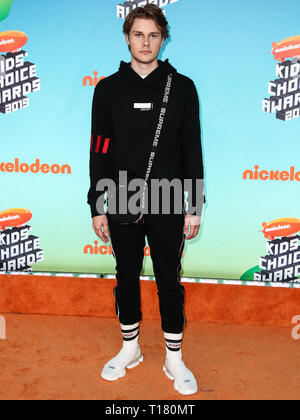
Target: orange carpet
[
  {"x": 60, "y": 358},
  {"x": 248, "y": 305}
]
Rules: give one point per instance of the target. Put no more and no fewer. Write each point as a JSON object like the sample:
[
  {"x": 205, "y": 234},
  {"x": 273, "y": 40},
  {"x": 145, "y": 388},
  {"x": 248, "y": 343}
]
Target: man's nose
[{"x": 146, "y": 41}]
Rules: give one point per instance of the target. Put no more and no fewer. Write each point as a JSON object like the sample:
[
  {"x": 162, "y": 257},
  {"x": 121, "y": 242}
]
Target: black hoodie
[{"x": 123, "y": 132}]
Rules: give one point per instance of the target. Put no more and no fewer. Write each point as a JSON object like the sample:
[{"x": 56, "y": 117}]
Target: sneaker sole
[{"x": 136, "y": 362}]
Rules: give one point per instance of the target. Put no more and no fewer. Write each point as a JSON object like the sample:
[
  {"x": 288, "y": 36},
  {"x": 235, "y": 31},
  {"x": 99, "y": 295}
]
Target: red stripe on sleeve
[
  {"x": 105, "y": 147},
  {"x": 98, "y": 144}
]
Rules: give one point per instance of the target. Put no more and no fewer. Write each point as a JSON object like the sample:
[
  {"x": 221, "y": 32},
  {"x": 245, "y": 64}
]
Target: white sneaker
[
  {"x": 184, "y": 381},
  {"x": 127, "y": 358}
]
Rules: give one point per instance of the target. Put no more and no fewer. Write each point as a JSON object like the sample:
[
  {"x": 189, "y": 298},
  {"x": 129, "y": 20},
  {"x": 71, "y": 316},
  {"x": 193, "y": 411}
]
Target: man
[{"x": 126, "y": 110}]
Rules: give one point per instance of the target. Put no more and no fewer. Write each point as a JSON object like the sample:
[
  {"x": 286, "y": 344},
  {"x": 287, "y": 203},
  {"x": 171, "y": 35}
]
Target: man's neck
[{"x": 143, "y": 69}]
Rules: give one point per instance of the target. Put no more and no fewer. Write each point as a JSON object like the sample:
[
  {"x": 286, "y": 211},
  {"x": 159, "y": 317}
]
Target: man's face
[{"x": 145, "y": 40}]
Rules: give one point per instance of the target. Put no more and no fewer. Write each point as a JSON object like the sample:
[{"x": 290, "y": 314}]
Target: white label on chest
[{"x": 143, "y": 107}]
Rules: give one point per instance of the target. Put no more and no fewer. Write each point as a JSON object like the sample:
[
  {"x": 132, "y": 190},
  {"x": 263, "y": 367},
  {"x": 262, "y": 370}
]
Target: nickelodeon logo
[
  {"x": 11, "y": 41},
  {"x": 287, "y": 226},
  {"x": 263, "y": 175},
  {"x": 5, "y": 6},
  {"x": 288, "y": 48},
  {"x": 34, "y": 168},
  {"x": 14, "y": 218},
  {"x": 108, "y": 250},
  {"x": 92, "y": 81}
]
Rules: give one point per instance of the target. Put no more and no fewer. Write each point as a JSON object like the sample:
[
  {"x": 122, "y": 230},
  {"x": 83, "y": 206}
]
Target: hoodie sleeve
[
  {"x": 99, "y": 148},
  {"x": 192, "y": 152}
]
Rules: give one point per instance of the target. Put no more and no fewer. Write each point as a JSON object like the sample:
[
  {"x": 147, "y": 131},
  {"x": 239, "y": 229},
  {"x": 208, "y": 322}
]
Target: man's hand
[
  {"x": 191, "y": 223},
  {"x": 100, "y": 225}
]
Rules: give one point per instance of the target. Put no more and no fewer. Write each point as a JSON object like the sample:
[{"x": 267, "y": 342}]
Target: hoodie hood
[{"x": 127, "y": 73}]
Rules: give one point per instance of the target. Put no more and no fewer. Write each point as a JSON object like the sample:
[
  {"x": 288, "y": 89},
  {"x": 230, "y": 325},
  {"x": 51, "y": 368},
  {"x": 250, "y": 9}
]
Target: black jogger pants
[{"x": 166, "y": 240}]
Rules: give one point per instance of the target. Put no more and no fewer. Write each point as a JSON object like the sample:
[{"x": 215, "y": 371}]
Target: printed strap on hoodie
[{"x": 158, "y": 131}]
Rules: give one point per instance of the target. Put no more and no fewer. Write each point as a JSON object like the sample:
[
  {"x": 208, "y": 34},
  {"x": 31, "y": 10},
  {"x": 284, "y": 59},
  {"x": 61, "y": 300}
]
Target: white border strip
[{"x": 151, "y": 278}]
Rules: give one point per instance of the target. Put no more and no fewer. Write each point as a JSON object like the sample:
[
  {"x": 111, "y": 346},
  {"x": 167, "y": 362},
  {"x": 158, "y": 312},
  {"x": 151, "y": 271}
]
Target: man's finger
[
  {"x": 100, "y": 233},
  {"x": 186, "y": 229},
  {"x": 193, "y": 232},
  {"x": 190, "y": 235},
  {"x": 104, "y": 233},
  {"x": 103, "y": 237},
  {"x": 106, "y": 230}
]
